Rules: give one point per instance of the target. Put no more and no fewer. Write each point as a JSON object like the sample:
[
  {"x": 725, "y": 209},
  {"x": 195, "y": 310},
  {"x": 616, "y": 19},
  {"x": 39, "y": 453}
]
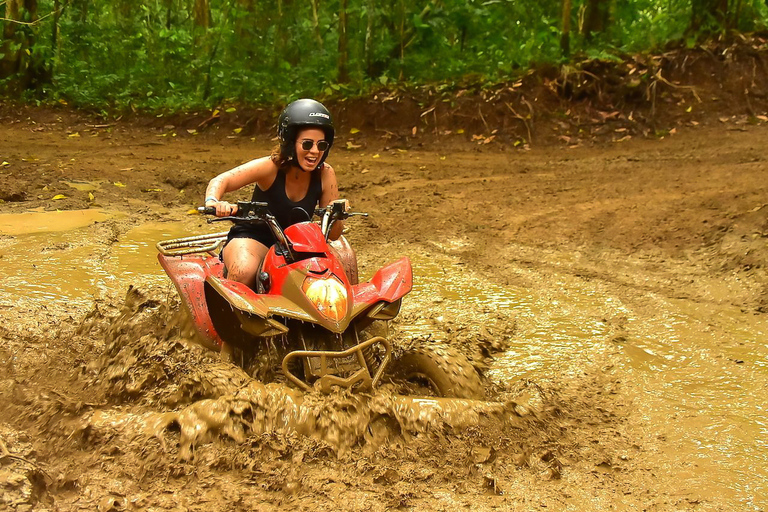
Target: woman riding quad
[{"x": 293, "y": 181}]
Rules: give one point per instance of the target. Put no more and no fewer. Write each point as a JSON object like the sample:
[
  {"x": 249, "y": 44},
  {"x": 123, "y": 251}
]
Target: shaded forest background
[{"x": 178, "y": 54}]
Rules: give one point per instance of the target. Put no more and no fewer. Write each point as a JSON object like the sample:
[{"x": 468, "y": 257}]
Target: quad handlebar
[{"x": 255, "y": 211}]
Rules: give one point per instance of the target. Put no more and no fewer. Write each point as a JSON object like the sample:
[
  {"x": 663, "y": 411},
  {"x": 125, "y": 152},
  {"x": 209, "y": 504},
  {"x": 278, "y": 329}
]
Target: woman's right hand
[{"x": 223, "y": 208}]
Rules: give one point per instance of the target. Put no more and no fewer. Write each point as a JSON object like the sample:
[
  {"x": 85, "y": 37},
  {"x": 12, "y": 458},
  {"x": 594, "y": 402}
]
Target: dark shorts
[{"x": 259, "y": 232}]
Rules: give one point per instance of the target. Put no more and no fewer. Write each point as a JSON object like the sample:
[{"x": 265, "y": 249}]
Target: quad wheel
[{"x": 448, "y": 373}]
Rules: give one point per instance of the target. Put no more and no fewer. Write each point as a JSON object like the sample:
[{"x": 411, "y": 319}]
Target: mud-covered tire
[{"x": 449, "y": 373}]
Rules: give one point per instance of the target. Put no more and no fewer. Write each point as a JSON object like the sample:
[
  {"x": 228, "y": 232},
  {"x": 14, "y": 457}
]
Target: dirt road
[{"x": 614, "y": 294}]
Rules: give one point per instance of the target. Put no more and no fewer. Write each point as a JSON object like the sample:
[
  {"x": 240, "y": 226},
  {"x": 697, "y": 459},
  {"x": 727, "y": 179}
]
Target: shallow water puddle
[
  {"x": 47, "y": 256},
  {"x": 703, "y": 369},
  {"x": 553, "y": 326},
  {"x": 134, "y": 256},
  {"x": 706, "y": 366},
  {"x": 49, "y": 222},
  {"x": 52, "y": 257}
]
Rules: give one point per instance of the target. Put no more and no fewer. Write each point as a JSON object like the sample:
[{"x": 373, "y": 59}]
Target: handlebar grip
[{"x": 206, "y": 210}]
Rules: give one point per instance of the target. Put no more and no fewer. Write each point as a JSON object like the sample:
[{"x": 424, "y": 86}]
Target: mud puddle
[
  {"x": 157, "y": 406},
  {"x": 54, "y": 257},
  {"x": 702, "y": 369},
  {"x": 554, "y": 325}
]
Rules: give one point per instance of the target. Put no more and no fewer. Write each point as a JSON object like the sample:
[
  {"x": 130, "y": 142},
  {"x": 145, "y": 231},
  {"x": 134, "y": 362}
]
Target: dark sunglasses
[{"x": 322, "y": 145}]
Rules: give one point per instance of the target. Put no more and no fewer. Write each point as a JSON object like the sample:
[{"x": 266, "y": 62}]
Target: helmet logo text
[{"x": 319, "y": 114}]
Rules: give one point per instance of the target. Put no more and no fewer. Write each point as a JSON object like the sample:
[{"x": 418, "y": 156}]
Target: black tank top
[{"x": 285, "y": 210}]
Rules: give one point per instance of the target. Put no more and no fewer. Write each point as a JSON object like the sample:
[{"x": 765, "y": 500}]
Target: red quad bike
[{"x": 309, "y": 321}]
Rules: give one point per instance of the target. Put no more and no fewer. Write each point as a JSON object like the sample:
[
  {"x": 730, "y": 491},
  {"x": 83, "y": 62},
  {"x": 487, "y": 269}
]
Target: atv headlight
[{"x": 328, "y": 295}]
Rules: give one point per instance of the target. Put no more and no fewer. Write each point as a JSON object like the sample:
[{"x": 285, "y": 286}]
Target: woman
[{"x": 294, "y": 178}]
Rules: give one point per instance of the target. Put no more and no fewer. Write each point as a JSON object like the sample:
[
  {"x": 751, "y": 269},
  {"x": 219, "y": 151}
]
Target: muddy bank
[{"x": 632, "y": 96}]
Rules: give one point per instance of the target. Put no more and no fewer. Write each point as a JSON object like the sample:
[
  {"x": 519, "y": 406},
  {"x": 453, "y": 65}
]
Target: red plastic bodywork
[{"x": 189, "y": 274}]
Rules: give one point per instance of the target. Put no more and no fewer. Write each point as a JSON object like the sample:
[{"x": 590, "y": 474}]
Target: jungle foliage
[{"x": 174, "y": 54}]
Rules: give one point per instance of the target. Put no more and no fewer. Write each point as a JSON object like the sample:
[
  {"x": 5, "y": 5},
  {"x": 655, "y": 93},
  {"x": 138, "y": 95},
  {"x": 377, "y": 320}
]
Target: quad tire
[{"x": 448, "y": 373}]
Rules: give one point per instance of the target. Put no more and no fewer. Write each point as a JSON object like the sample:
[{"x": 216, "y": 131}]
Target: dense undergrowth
[{"x": 173, "y": 56}]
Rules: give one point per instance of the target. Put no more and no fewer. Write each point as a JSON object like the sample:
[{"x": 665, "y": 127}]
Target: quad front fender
[{"x": 389, "y": 284}]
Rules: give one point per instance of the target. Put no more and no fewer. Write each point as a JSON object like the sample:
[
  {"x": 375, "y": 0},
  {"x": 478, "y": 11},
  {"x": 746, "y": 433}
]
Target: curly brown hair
[{"x": 281, "y": 159}]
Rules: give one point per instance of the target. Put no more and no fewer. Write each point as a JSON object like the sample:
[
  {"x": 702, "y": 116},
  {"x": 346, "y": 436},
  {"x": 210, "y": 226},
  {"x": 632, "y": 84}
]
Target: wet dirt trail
[{"x": 613, "y": 297}]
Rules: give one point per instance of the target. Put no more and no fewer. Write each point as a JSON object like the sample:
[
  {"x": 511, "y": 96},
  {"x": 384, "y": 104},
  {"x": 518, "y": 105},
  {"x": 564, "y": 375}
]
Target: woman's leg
[{"x": 242, "y": 257}]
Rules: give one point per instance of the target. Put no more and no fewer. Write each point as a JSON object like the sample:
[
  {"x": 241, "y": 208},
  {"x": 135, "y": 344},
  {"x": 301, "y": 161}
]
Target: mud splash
[
  {"x": 148, "y": 399},
  {"x": 161, "y": 368}
]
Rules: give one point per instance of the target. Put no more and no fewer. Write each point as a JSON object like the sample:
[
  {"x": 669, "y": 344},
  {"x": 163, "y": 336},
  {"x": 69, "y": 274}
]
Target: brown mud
[{"x": 606, "y": 275}]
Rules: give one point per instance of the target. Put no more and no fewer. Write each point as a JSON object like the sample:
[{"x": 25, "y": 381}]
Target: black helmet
[{"x": 300, "y": 114}]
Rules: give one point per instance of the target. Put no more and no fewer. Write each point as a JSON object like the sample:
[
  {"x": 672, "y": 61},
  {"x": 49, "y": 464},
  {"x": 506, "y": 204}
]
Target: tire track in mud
[{"x": 143, "y": 403}]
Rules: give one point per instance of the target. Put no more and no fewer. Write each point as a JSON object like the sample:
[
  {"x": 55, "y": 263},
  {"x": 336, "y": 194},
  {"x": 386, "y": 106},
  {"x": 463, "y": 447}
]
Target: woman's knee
[
  {"x": 241, "y": 270},
  {"x": 242, "y": 258}
]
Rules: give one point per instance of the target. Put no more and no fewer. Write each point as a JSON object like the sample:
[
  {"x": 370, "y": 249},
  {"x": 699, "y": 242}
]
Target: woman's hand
[
  {"x": 223, "y": 208},
  {"x": 345, "y": 202}
]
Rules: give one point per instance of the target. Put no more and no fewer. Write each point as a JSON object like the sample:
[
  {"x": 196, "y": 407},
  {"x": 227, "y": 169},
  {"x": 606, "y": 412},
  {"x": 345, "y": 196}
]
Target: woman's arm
[
  {"x": 234, "y": 179},
  {"x": 331, "y": 193}
]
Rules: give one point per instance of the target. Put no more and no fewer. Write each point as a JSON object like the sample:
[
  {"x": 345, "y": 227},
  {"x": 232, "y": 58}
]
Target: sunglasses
[{"x": 322, "y": 145}]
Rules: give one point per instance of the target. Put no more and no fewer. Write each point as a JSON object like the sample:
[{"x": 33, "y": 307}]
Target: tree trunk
[
  {"x": 202, "y": 14},
  {"x": 368, "y": 46},
  {"x": 125, "y": 11},
  {"x": 736, "y": 16},
  {"x": 596, "y": 17},
  {"x": 316, "y": 22},
  {"x": 565, "y": 38},
  {"x": 343, "y": 43},
  {"x": 58, "y": 10},
  {"x": 18, "y": 39},
  {"x": 10, "y": 59},
  {"x": 277, "y": 44},
  {"x": 401, "y": 32},
  {"x": 168, "y": 14}
]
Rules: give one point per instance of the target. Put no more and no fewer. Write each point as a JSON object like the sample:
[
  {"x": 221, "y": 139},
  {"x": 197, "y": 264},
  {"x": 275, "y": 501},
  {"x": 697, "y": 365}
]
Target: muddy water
[
  {"x": 49, "y": 257},
  {"x": 706, "y": 369},
  {"x": 73, "y": 265},
  {"x": 701, "y": 370},
  {"x": 135, "y": 253},
  {"x": 559, "y": 324}
]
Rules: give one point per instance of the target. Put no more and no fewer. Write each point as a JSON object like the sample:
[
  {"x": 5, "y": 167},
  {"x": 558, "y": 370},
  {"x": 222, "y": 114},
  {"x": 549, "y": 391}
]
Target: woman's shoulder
[
  {"x": 266, "y": 162},
  {"x": 265, "y": 166},
  {"x": 263, "y": 171}
]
